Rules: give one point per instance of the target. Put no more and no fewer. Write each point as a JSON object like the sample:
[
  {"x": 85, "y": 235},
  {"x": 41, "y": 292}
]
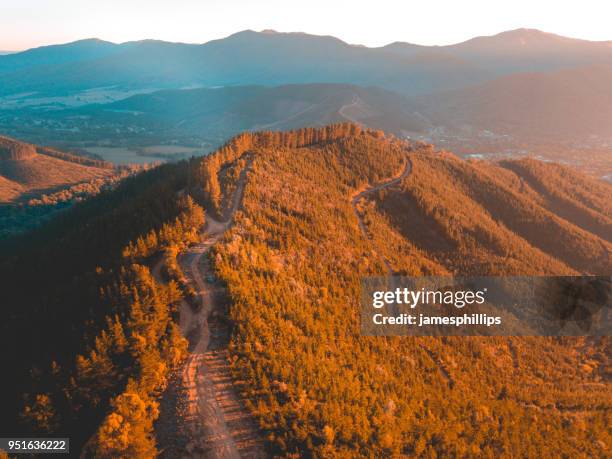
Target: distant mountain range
[
  {"x": 272, "y": 58},
  {"x": 563, "y": 105},
  {"x": 523, "y": 86}
]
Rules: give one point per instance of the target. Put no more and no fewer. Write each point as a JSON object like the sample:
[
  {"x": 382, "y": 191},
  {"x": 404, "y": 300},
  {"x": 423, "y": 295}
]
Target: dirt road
[
  {"x": 355, "y": 102},
  {"x": 372, "y": 189},
  {"x": 212, "y": 419}
]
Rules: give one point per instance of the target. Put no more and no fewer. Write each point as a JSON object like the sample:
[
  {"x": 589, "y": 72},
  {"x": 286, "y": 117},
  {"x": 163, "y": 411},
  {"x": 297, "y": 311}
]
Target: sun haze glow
[{"x": 29, "y": 23}]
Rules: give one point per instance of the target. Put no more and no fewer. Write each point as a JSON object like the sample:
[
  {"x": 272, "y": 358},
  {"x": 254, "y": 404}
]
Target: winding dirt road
[
  {"x": 373, "y": 189},
  {"x": 212, "y": 419},
  {"x": 354, "y": 103}
]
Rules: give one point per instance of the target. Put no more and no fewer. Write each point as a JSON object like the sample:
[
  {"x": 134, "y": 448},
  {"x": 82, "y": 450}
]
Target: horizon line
[{"x": 272, "y": 31}]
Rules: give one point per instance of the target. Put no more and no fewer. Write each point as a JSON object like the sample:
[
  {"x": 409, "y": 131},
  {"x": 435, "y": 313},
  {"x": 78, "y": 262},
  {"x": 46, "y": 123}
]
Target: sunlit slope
[
  {"x": 577, "y": 198},
  {"x": 293, "y": 263},
  {"x": 96, "y": 322},
  {"x": 24, "y": 167},
  {"x": 477, "y": 217}
]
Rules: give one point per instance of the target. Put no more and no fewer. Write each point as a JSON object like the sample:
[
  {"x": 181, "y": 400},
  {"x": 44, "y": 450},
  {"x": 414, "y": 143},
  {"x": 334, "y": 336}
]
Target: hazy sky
[{"x": 29, "y": 23}]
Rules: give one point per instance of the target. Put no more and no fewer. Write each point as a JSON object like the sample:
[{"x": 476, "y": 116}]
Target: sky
[{"x": 29, "y": 23}]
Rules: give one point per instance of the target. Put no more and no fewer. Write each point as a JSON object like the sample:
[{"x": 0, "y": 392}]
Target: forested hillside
[
  {"x": 93, "y": 334},
  {"x": 293, "y": 263},
  {"x": 37, "y": 182},
  {"x": 81, "y": 303},
  {"x": 25, "y": 168}
]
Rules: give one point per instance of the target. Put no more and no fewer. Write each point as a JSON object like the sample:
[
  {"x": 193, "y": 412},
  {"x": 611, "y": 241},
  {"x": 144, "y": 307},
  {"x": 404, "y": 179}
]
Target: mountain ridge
[
  {"x": 292, "y": 262},
  {"x": 514, "y": 33},
  {"x": 567, "y": 104},
  {"x": 250, "y": 57}
]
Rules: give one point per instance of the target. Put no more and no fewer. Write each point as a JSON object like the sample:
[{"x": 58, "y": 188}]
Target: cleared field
[
  {"x": 171, "y": 149},
  {"x": 150, "y": 154},
  {"x": 119, "y": 155}
]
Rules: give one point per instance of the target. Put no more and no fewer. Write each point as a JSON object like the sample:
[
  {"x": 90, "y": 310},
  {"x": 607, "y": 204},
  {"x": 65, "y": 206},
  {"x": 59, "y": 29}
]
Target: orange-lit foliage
[
  {"x": 580, "y": 199},
  {"x": 206, "y": 180},
  {"x": 293, "y": 263},
  {"x": 107, "y": 321},
  {"x": 473, "y": 219}
]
